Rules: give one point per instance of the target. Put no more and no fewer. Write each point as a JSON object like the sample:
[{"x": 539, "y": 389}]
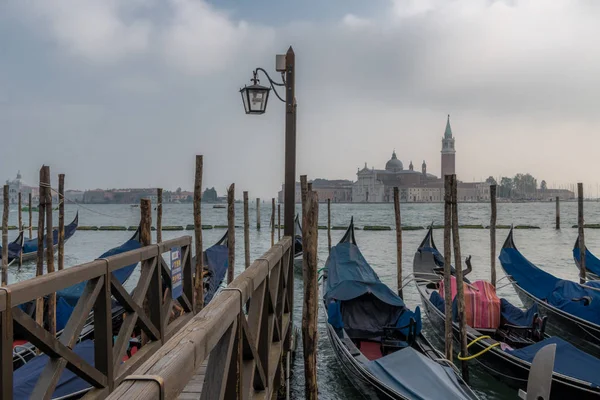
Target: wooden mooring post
[
  {"x": 447, "y": 271},
  {"x": 310, "y": 208},
  {"x": 557, "y": 212},
  {"x": 246, "y": 232},
  {"x": 145, "y": 240},
  {"x": 580, "y": 222},
  {"x": 230, "y": 232},
  {"x": 21, "y": 225},
  {"x": 257, "y": 214},
  {"x": 198, "y": 285},
  {"x": 460, "y": 289},
  {"x": 493, "y": 234},
  {"x": 39, "y": 305},
  {"x": 61, "y": 222},
  {"x": 398, "y": 219},
  {"x": 278, "y": 221},
  {"x": 5, "y": 211},
  {"x": 329, "y": 225},
  {"x": 272, "y": 221},
  {"x": 159, "y": 201},
  {"x": 51, "y": 310},
  {"x": 30, "y": 216}
]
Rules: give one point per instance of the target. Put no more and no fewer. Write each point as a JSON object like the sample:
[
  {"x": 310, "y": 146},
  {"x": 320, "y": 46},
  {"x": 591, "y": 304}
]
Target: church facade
[{"x": 377, "y": 185}]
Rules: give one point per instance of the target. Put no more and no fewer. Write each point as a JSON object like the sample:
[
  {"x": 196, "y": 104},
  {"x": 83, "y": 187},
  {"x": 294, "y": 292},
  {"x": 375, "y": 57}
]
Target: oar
[{"x": 540, "y": 375}]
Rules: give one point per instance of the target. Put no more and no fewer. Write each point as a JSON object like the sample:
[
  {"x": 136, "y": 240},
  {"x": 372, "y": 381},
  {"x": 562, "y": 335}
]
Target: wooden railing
[
  {"x": 109, "y": 370},
  {"x": 243, "y": 332}
]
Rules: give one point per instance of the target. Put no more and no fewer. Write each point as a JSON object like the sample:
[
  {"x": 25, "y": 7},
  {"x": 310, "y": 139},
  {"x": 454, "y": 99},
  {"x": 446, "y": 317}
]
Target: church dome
[{"x": 394, "y": 164}]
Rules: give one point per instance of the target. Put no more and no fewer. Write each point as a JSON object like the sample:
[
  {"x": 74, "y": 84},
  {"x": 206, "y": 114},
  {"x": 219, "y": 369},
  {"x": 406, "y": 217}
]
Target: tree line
[{"x": 520, "y": 186}]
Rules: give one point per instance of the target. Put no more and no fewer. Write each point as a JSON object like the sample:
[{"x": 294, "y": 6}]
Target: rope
[
  {"x": 467, "y": 358},
  {"x": 74, "y": 202}
]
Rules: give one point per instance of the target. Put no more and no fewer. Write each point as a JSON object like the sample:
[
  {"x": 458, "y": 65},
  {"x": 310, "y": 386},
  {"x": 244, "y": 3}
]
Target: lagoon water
[{"x": 545, "y": 247}]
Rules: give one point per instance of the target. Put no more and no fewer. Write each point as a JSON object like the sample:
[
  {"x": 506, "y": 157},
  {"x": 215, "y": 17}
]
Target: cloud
[
  {"x": 93, "y": 29},
  {"x": 518, "y": 77},
  {"x": 203, "y": 40}
]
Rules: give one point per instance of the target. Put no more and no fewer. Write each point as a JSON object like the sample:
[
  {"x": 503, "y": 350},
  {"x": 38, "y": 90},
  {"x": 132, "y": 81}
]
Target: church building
[{"x": 377, "y": 185}]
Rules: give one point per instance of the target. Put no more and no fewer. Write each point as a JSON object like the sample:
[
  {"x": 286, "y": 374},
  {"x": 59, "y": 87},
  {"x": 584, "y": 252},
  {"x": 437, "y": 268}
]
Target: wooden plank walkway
[{"x": 193, "y": 390}]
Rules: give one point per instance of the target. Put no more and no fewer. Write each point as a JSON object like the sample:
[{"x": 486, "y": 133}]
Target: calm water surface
[{"x": 545, "y": 247}]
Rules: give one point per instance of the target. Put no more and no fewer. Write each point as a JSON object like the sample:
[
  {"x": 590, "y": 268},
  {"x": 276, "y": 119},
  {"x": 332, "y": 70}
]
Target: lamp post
[{"x": 255, "y": 99}]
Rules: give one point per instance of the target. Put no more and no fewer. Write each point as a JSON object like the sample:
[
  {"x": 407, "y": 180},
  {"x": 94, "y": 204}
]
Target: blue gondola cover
[
  {"x": 565, "y": 295},
  {"x": 25, "y": 378},
  {"x": 416, "y": 377},
  {"x": 217, "y": 261},
  {"x": 569, "y": 360},
  {"x": 516, "y": 316}
]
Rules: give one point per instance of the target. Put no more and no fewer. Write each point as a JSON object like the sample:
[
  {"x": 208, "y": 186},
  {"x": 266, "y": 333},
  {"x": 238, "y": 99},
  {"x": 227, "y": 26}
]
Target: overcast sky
[{"x": 124, "y": 93}]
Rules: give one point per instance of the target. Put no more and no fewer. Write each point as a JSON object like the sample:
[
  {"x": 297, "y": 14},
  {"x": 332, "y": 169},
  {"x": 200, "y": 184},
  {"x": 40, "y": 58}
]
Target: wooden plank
[
  {"x": 103, "y": 331},
  {"x": 27, "y": 290},
  {"x": 198, "y": 282},
  {"x": 218, "y": 366},
  {"x": 6, "y": 354},
  {"x": 130, "y": 305},
  {"x": 55, "y": 349}
]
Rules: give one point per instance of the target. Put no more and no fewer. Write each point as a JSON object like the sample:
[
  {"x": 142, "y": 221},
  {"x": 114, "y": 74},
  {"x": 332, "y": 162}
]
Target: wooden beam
[
  {"x": 493, "y": 234},
  {"x": 198, "y": 282},
  {"x": 580, "y": 224},
  {"x": 39, "y": 305},
  {"x": 460, "y": 289},
  {"x": 61, "y": 222},
  {"x": 217, "y": 371},
  {"x": 230, "y": 233},
  {"x": 20, "y": 209},
  {"x": 398, "y": 219},
  {"x": 159, "y": 201},
  {"x": 6, "y": 199},
  {"x": 51, "y": 307},
  {"x": 246, "y": 232},
  {"x": 310, "y": 305},
  {"x": 448, "y": 335}
]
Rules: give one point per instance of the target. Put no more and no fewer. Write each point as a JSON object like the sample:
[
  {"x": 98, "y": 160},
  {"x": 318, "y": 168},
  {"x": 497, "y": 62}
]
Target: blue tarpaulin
[
  {"x": 25, "y": 378},
  {"x": 516, "y": 316},
  {"x": 565, "y": 295},
  {"x": 568, "y": 360},
  {"x": 14, "y": 248},
  {"x": 73, "y": 293},
  {"x": 592, "y": 263},
  {"x": 217, "y": 261},
  {"x": 350, "y": 276},
  {"x": 366, "y": 304},
  {"x": 417, "y": 377}
]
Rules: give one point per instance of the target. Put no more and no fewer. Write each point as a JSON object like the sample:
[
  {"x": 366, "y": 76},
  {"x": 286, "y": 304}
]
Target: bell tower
[{"x": 448, "y": 151}]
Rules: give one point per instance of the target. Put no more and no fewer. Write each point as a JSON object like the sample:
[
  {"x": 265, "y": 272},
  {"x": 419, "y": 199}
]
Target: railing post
[
  {"x": 6, "y": 348},
  {"x": 103, "y": 331}
]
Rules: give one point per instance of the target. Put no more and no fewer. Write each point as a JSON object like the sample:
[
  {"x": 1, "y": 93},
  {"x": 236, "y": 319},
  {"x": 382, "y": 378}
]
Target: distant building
[
  {"x": 75, "y": 196},
  {"x": 119, "y": 196},
  {"x": 377, "y": 185},
  {"x": 17, "y": 185},
  {"x": 209, "y": 195},
  {"x": 338, "y": 191}
]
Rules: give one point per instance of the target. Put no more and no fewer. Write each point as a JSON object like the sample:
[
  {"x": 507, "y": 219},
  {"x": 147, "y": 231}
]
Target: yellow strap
[{"x": 467, "y": 358}]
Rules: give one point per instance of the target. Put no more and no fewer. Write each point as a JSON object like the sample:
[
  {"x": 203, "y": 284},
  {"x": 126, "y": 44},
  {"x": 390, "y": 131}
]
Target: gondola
[
  {"x": 14, "y": 248},
  {"x": 592, "y": 263},
  {"x": 573, "y": 310},
  {"x": 30, "y": 246},
  {"x": 297, "y": 245},
  {"x": 376, "y": 338},
  {"x": 509, "y": 337},
  {"x": 216, "y": 262}
]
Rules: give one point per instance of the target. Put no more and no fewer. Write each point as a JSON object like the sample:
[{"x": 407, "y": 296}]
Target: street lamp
[{"x": 255, "y": 99}]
